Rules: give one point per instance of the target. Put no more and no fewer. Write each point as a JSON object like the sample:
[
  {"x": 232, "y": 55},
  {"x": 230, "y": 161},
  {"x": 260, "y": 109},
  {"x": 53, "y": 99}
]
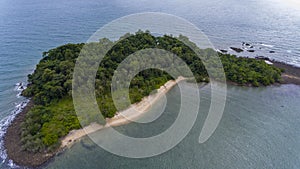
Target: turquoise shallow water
[
  {"x": 259, "y": 129},
  {"x": 27, "y": 28}
]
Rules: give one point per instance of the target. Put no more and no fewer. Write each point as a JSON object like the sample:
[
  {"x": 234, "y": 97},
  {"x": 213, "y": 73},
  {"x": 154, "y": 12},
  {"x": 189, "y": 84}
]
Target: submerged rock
[
  {"x": 246, "y": 44},
  {"x": 262, "y": 58},
  {"x": 251, "y": 51},
  {"x": 238, "y": 50},
  {"x": 223, "y": 51}
]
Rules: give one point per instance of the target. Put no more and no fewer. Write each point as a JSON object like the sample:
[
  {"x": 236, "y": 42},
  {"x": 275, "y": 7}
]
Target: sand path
[{"x": 121, "y": 118}]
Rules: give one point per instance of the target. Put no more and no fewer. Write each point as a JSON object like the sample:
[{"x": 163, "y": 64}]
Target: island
[{"x": 49, "y": 123}]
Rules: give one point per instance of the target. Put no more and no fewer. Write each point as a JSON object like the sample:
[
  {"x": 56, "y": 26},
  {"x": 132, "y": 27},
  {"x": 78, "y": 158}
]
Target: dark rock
[
  {"x": 223, "y": 51},
  {"x": 245, "y": 44},
  {"x": 238, "y": 50},
  {"x": 262, "y": 58},
  {"x": 272, "y": 51},
  {"x": 251, "y": 51}
]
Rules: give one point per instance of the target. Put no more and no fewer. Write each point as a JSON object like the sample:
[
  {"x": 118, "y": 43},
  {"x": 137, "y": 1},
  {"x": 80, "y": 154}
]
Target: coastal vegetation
[
  {"x": 50, "y": 86},
  {"x": 249, "y": 71}
]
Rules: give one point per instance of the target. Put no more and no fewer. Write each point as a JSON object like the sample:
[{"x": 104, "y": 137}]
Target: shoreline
[
  {"x": 13, "y": 145},
  {"x": 121, "y": 118},
  {"x": 291, "y": 75},
  {"x": 12, "y": 136}
]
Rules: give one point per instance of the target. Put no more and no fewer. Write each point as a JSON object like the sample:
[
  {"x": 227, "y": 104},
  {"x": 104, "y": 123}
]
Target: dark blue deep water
[{"x": 30, "y": 27}]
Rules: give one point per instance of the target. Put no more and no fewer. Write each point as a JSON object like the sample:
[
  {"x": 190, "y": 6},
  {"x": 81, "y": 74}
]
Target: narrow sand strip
[{"x": 124, "y": 117}]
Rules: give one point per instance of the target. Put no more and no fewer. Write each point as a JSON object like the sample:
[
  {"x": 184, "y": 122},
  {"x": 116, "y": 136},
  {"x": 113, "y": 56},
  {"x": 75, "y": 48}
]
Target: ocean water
[{"x": 27, "y": 28}]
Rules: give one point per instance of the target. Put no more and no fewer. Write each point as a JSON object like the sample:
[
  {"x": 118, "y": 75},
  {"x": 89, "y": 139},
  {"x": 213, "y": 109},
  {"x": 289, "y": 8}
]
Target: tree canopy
[{"x": 50, "y": 86}]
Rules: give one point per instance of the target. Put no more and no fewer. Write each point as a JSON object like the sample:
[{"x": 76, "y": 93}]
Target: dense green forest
[{"x": 50, "y": 86}]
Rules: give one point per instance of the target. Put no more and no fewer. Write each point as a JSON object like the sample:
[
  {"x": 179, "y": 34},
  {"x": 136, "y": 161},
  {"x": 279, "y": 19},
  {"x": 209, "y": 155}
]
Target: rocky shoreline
[
  {"x": 22, "y": 158},
  {"x": 291, "y": 74},
  {"x": 12, "y": 143}
]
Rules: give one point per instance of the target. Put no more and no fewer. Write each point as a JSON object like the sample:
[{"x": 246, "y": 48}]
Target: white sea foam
[
  {"x": 266, "y": 45},
  {"x": 5, "y": 122},
  {"x": 11, "y": 164},
  {"x": 20, "y": 87}
]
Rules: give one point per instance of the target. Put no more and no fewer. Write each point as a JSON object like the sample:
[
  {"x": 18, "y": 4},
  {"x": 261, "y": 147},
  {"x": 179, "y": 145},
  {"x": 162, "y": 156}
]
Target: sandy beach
[
  {"x": 290, "y": 76},
  {"x": 123, "y": 117}
]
